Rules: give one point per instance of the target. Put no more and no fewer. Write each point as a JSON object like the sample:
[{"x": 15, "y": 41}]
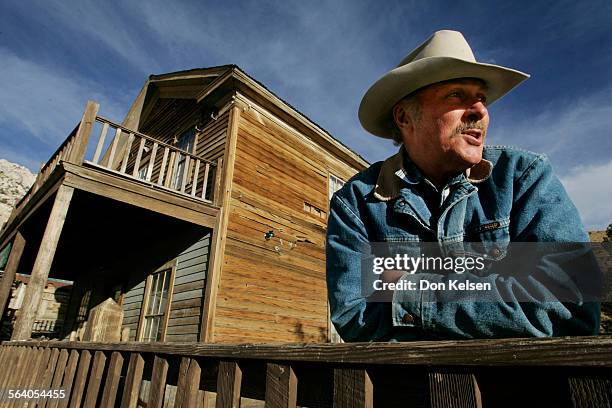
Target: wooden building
[{"x": 202, "y": 215}]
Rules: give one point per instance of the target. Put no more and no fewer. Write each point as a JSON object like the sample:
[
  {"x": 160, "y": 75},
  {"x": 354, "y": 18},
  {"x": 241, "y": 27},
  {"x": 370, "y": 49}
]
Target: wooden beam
[
  {"x": 219, "y": 236},
  {"x": 42, "y": 265},
  {"x": 281, "y": 386},
  {"x": 229, "y": 380},
  {"x": 352, "y": 388},
  {"x": 132, "y": 192},
  {"x": 11, "y": 269},
  {"x": 81, "y": 140}
]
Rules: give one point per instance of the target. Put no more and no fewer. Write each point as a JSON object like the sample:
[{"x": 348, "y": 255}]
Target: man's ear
[{"x": 401, "y": 116}]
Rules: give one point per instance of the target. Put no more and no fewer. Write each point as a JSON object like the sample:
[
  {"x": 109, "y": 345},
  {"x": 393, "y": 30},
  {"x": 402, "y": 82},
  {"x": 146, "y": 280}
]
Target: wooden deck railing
[
  {"x": 130, "y": 154},
  {"x": 145, "y": 158},
  {"x": 555, "y": 372}
]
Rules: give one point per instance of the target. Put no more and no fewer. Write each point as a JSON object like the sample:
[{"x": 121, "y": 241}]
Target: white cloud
[
  {"x": 45, "y": 103},
  {"x": 591, "y": 190}
]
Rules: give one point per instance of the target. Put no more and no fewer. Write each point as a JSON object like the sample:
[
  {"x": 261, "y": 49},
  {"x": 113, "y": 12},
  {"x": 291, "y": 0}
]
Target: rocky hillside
[{"x": 15, "y": 180}]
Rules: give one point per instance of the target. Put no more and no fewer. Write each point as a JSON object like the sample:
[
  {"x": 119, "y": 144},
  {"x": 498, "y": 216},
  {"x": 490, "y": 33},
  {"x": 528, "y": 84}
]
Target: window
[
  {"x": 83, "y": 308},
  {"x": 185, "y": 142},
  {"x": 156, "y": 305},
  {"x": 335, "y": 184}
]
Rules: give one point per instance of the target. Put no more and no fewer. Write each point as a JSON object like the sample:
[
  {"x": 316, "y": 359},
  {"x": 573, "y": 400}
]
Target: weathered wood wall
[
  {"x": 187, "y": 299},
  {"x": 274, "y": 289}
]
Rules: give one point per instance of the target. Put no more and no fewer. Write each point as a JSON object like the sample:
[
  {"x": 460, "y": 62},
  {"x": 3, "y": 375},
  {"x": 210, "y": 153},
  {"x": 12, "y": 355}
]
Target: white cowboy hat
[{"x": 445, "y": 55}]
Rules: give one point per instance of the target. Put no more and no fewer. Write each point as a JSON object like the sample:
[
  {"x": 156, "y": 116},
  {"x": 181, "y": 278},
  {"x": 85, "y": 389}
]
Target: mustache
[{"x": 469, "y": 125}]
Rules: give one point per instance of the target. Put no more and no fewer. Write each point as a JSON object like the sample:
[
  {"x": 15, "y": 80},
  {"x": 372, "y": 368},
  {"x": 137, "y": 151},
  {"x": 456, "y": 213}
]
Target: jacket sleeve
[{"x": 521, "y": 305}]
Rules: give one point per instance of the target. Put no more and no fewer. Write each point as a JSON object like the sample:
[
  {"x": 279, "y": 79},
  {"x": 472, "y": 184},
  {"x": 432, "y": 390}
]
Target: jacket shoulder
[{"x": 508, "y": 158}]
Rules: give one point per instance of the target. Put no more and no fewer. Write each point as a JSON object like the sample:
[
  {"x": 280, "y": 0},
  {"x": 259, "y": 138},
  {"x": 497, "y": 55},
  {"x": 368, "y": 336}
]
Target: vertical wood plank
[
  {"x": 132, "y": 381},
  {"x": 42, "y": 265},
  {"x": 58, "y": 376},
  {"x": 186, "y": 169},
  {"x": 100, "y": 144},
  {"x": 194, "y": 183},
  {"x": 162, "y": 168},
  {"x": 352, "y": 388},
  {"x": 95, "y": 379},
  {"x": 67, "y": 384},
  {"x": 281, "y": 386},
  {"x": 81, "y": 378},
  {"x": 20, "y": 378},
  {"x": 219, "y": 169},
  {"x": 44, "y": 362},
  {"x": 81, "y": 139},
  {"x": 188, "y": 387},
  {"x": 229, "y": 381},
  {"x": 171, "y": 169},
  {"x": 151, "y": 162},
  {"x": 205, "y": 180},
  {"x": 113, "y": 149},
  {"x": 126, "y": 155},
  {"x": 141, "y": 147},
  {"x": 456, "y": 389},
  {"x": 590, "y": 391},
  {"x": 158, "y": 382},
  {"x": 11, "y": 269},
  {"x": 111, "y": 387}
]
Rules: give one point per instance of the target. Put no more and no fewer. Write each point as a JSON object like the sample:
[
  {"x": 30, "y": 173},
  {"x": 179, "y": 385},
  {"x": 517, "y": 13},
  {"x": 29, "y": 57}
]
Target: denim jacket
[{"x": 511, "y": 195}]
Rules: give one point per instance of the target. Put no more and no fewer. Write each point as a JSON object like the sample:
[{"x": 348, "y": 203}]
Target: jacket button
[
  {"x": 408, "y": 318},
  {"x": 494, "y": 251}
]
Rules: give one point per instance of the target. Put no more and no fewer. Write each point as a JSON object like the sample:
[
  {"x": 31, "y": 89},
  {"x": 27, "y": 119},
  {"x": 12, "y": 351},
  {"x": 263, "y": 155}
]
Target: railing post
[
  {"x": 42, "y": 265},
  {"x": 11, "y": 269},
  {"x": 81, "y": 140}
]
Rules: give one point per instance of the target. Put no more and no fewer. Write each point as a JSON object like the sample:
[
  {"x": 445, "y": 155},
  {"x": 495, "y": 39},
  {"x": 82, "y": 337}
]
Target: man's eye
[{"x": 482, "y": 99}]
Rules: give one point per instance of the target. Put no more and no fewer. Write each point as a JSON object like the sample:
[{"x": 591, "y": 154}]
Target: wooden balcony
[
  {"x": 130, "y": 155},
  {"x": 559, "y": 372}
]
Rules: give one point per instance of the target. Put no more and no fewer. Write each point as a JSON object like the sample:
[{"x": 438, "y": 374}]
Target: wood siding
[
  {"x": 187, "y": 298},
  {"x": 189, "y": 282},
  {"x": 274, "y": 289}
]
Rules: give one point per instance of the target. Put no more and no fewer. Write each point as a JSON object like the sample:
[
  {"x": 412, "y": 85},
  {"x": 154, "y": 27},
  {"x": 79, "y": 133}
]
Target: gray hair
[{"x": 413, "y": 106}]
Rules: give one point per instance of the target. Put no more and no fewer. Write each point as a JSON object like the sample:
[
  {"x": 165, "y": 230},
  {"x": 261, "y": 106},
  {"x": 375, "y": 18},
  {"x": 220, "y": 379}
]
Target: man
[{"x": 446, "y": 187}]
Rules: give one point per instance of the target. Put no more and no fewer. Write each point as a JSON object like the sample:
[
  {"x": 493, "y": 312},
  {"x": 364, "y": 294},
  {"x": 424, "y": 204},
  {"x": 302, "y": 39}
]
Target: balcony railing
[
  {"x": 130, "y": 154},
  {"x": 510, "y": 372}
]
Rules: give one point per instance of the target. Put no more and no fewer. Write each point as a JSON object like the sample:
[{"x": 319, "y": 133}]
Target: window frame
[{"x": 168, "y": 267}]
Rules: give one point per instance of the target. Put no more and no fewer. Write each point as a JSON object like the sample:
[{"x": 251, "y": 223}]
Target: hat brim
[{"x": 377, "y": 103}]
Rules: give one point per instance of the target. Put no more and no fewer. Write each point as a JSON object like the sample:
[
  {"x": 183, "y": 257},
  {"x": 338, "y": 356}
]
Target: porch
[
  {"x": 559, "y": 372},
  {"x": 111, "y": 202}
]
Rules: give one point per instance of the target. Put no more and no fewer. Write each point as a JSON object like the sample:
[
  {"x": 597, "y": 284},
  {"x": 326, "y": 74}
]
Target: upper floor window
[
  {"x": 335, "y": 184},
  {"x": 185, "y": 142}
]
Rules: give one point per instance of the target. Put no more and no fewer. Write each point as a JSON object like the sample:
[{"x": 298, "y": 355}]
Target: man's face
[{"x": 448, "y": 133}]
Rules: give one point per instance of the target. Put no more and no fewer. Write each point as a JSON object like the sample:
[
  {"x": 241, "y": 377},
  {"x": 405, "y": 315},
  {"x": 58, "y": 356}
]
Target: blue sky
[{"x": 320, "y": 57}]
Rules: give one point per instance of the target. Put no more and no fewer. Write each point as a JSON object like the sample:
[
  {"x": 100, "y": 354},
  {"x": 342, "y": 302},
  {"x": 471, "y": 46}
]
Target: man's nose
[{"x": 476, "y": 112}]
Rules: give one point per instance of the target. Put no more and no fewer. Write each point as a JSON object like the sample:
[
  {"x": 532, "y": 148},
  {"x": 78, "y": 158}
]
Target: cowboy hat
[{"x": 445, "y": 55}]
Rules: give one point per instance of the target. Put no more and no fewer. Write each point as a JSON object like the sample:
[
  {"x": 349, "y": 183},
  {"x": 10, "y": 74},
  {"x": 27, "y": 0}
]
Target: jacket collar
[{"x": 399, "y": 169}]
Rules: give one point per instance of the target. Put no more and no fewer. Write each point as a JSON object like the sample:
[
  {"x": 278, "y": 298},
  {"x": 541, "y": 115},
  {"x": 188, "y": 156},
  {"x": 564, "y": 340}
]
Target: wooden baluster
[
  {"x": 229, "y": 381},
  {"x": 162, "y": 169},
  {"x": 132, "y": 381},
  {"x": 71, "y": 368},
  {"x": 158, "y": 382},
  {"x": 139, "y": 157},
  {"x": 205, "y": 181},
  {"x": 171, "y": 169},
  {"x": 50, "y": 370},
  {"x": 151, "y": 162},
  {"x": 100, "y": 144},
  {"x": 81, "y": 378},
  {"x": 186, "y": 171},
  {"x": 352, "y": 388},
  {"x": 126, "y": 155},
  {"x": 57, "y": 377},
  {"x": 454, "y": 389},
  {"x": 187, "y": 389},
  {"x": 194, "y": 184},
  {"x": 111, "y": 156},
  {"x": 95, "y": 379},
  {"x": 281, "y": 386},
  {"x": 112, "y": 380}
]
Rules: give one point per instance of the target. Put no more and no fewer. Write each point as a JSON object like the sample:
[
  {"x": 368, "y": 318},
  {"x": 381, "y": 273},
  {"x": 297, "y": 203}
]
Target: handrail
[
  {"x": 102, "y": 119},
  {"x": 474, "y": 373}
]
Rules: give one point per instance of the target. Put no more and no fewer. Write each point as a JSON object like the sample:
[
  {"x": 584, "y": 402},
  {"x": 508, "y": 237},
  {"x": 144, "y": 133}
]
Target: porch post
[
  {"x": 10, "y": 270},
  {"x": 42, "y": 265},
  {"x": 81, "y": 139}
]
